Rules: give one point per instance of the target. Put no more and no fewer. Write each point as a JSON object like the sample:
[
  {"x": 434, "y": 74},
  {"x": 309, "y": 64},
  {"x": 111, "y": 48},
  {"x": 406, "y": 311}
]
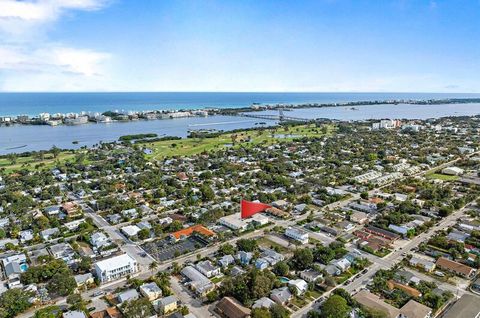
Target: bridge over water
[{"x": 280, "y": 117}]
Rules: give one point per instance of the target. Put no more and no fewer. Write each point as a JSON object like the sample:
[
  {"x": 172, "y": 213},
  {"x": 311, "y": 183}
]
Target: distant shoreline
[{"x": 125, "y": 116}]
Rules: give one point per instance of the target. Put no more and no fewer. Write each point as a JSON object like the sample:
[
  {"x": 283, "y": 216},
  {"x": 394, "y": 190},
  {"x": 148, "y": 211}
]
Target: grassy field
[
  {"x": 443, "y": 177},
  {"x": 185, "y": 146},
  {"x": 192, "y": 146},
  {"x": 31, "y": 162},
  {"x": 265, "y": 242}
]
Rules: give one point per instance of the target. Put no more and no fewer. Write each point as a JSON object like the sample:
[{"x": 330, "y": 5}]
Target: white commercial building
[
  {"x": 115, "y": 268},
  {"x": 386, "y": 124},
  {"x": 235, "y": 221},
  {"x": 297, "y": 234},
  {"x": 453, "y": 171}
]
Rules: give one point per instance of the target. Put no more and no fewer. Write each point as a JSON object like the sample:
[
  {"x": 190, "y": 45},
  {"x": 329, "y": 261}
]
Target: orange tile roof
[
  {"x": 409, "y": 290},
  {"x": 376, "y": 200},
  {"x": 99, "y": 314},
  {"x": 453, "y": 266},
  {"x": 113, "y": 312},
  {"x": 190, "y": 230}
]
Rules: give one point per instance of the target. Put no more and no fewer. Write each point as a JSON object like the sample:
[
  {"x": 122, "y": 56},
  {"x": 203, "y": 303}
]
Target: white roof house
[
  {"x": 99, "y": 239},
  {"x": 263, "y": 302},
  {"x": 26, "y": 235},
  {"x": 297, "y": 234},
  {"x": 207, "y": 269},
  {"x": 74, "y": 314},
  {"x": 299, "y": 284},
  {"x": 130, "y": 230},
  {"x": 128, "y": 295},
  {"x": 151, "y": 291}
]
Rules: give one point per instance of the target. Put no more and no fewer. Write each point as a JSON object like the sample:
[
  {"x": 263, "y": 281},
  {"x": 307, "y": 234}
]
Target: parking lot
[{"x": 163, "y": 250}]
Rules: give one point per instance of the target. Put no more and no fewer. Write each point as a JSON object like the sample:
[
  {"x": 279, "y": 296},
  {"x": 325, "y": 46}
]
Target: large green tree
[
  {"x": 62, "y": 283},
  {"x": 302, "y": 258},
  {"x": 13, "y": 302},
  {"x": 139, "y": 308},
  {"x": 335, "y": 307}
]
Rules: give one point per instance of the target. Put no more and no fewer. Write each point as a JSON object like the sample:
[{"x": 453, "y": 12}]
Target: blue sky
[{"x": 242, "y": 45}]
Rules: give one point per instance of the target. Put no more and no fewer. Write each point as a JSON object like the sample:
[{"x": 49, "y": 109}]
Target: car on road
[
  {"x": 98, "y": 293},
  {"x": 320, "y": 300},
  {"x": 364, "y": 271}
]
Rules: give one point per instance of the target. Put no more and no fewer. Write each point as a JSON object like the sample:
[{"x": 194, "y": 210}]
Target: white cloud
[
  {"x": 27, "y": 59},
  {"x": 83, "y": 62},
  {"x": 53, "y": 59},
  {"x": 43, "y": 10}
]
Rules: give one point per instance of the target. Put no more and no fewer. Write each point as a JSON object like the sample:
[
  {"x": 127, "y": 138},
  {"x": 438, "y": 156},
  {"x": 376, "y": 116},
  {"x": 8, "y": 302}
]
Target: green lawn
[
  {"x": 443, "y": 177},
  {"x": 265, "y": 242},
  {"x": 185, "y": 146},
  {"x": 30, "y": 162},
  {"x": 192, "y": 146}
]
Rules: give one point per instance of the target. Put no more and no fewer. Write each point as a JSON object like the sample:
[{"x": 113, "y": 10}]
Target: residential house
[
  {"x": 455, "y": 267},
  {"x": 261, "y": 263},
  {"x": 74, "y": 314},
  {"x": 263, "y": 302},
  {"x": 197, "y": 281},
  {"x": 128, "y": 295},
  {"x": 26, "y": 236},
  {"x": 165, "y": 305},
  {"x": 52, "y": 210},
  {"x": 73, "y": 225},
  {"x": 63, "y": 251},
  {"x": 130, "y": 213},
  {"x": 426, "y": 265},
  {"x": 130, "y": 230},
  {"x": 299, "y": 284},
  {"x": 84, "y": 279},
  {"x": 382, "y": 233},
  {"x": 244, "y": 257},
  {"x": 71, "y": 209},
  {"x": 229, "y": 307},
  {"x": 359, "y": 217},
  {"x": 151, "y": 291},
  {"x": 99, "y": 239},
  {"x": 342, "y": 264},
  {"x": 311, "y": 275},
  {"x": 49, "y": 233},
  {"x": 281, "y": 295},
  {"x": 226, "y": 260},
  {"x": 207, "y": 269},
  {"x": 297, "y": 234}
]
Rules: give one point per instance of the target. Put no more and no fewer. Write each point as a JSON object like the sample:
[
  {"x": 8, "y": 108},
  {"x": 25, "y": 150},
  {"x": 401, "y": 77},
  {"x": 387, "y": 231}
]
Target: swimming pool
[
  {"x": 23, "y": 267},
  {"x": 284, "y": 279}
]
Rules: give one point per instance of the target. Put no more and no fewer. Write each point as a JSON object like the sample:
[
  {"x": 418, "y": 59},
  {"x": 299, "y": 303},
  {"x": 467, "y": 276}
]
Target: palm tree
[{"x": 153, "y": 266}]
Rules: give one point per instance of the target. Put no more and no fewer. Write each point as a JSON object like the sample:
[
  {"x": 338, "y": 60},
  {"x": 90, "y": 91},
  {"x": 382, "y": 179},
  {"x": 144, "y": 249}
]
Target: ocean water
[
  {"x": 34, "y": 103},
  {"x": 21, "y": 138}
]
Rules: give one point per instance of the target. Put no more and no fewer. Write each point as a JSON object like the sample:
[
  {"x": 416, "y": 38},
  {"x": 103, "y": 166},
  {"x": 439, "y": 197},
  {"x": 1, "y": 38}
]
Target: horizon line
[{"x": 236, "y": 92}]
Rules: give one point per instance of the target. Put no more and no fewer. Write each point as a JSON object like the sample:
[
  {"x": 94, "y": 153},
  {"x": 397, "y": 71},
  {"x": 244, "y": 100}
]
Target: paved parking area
[{"x": 164, "y": 250}]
